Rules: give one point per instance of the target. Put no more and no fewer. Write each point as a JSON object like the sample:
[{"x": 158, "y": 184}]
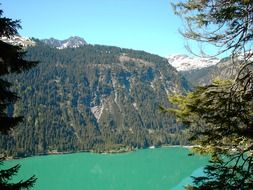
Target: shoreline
[
  {"x": 182, "y": 146},
  {"x": 119, "y": 151}
]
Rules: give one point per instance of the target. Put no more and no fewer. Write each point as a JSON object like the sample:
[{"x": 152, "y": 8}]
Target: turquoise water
[
  {"x": 149, "y": 169},
  {"x": 188, "y": 180}
]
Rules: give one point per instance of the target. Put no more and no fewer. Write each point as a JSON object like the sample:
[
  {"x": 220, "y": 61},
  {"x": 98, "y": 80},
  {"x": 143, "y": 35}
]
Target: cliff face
[{"x": 93, "y": 98}]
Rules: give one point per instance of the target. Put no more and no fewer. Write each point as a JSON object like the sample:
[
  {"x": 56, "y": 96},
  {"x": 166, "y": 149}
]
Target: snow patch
[{"x": 186, "y": 63}]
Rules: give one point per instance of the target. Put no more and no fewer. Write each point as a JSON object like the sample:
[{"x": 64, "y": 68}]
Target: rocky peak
[{"x": 71, "y": 42}]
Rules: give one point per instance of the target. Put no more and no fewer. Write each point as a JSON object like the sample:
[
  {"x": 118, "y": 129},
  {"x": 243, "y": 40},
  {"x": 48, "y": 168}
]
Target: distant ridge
[
  {"x": 186, "y": 63},
  {"x": 18, "y": 41},
  {"x": 71, "y": 42}
]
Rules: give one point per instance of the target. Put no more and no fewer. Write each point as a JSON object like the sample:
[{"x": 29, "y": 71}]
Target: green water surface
[{"x": 149, "y": 169}]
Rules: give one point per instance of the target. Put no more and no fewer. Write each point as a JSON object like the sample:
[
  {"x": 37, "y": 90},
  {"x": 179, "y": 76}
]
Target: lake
[{"x": 147, "y": 169}]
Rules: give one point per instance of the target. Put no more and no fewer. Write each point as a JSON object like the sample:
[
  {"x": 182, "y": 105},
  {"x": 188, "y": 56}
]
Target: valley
[
  {"x": 93, "y": 98},
  {"x": 126, "y": 95}
]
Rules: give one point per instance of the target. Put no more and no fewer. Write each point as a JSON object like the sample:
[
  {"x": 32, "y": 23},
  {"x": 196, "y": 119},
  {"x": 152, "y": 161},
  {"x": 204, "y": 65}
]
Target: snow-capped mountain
[
  {"x": 186, "y": 63},
  {"x": 18, "y": 40},
  {"x": 72, "y": 42}
]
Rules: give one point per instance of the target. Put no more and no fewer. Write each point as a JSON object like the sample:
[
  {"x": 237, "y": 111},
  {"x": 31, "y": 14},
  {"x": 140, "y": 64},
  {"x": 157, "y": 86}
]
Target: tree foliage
[
  {"x": 11, "y": 61},
  {"x": 221, "y": 123},
  {"x": 220, "y": 115},
  {"x": 226, "y": 24},
  {"x": 7, "y": 174}
]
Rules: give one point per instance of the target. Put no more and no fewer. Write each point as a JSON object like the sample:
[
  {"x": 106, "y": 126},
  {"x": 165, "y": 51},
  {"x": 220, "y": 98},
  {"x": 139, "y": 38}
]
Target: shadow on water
[{"x": 187, "y": 181}]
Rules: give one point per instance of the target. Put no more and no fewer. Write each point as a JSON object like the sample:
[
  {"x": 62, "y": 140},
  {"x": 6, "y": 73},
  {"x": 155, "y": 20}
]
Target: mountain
[
  {"x": 94, "y": 98},
  {"x": 18, "y": 40},
  {"x": 225, "y": 69},
  {"x": 72, "y": 42},
  {"x": 186, "y": 63},
  {"x": 201, "y": 71}
]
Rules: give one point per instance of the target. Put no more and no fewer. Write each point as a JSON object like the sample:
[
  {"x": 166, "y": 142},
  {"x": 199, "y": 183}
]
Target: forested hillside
[{"x": 93, "y": 98}]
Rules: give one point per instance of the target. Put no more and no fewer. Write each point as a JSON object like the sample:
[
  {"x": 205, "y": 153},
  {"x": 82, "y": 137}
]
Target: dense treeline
[{"x": 93, "y": 98}]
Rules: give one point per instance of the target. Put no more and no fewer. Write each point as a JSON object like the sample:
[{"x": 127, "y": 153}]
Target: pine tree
[
  {"x": 11, "y": 61},
  {"x": 220, "y": 120},
  {"x": 219, "y": 116}
]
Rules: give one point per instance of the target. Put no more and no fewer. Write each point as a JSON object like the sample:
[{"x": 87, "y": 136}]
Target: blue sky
[{"x": 148, "y": 25}]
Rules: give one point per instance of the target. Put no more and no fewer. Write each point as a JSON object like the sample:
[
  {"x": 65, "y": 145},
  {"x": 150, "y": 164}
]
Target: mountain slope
[
  {"x": 93, "y": 98},
  {"x": 225, "y": 69},
  {"x": 187, "y": 63}
]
